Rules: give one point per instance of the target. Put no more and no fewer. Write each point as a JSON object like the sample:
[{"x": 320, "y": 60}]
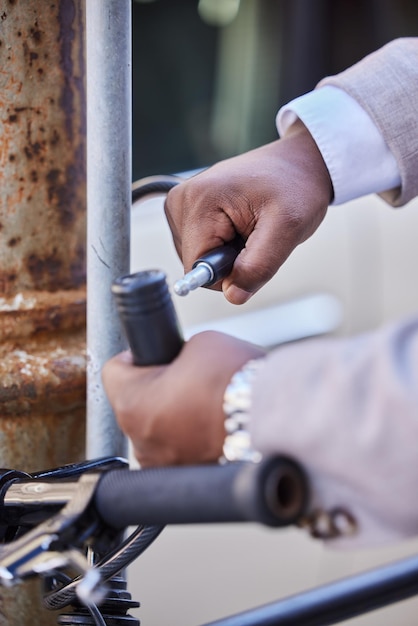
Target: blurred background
[
  {"x": 209, "y": 75},
  {"x": 208, "y": 79}
]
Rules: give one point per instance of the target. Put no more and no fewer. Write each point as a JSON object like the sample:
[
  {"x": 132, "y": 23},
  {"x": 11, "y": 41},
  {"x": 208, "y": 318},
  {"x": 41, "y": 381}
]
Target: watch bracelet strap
[{"x": 237, "y": 403}]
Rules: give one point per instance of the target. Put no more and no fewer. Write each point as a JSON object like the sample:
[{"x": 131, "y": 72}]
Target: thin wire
[
  {"x": 109, "y": 566},
  {"x": 96, "y": 615}
]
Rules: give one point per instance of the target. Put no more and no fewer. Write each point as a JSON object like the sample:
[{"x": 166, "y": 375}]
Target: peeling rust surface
[
  {"x": 42, "y": 148},
  {"x": 42, "y": 216},
  {"x": 42, "y": 219},
  {"x": 47, "y": 376},
  {"x": 42, "y": 250},
  {"x": 33, "y": 313},
  {"x": 26, "y": 441},
  {"x": 42, "y": 424},
  {"x": 42, "y": 352},
  {"x": 42, "y": 404},
  {"x": 38, "y": 444}
]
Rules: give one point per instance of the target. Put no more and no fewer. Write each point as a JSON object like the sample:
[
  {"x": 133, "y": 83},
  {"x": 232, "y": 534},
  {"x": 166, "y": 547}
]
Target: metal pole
[
  {"x": 42, "y": 249},
  {"x": 108, "y": 53}
]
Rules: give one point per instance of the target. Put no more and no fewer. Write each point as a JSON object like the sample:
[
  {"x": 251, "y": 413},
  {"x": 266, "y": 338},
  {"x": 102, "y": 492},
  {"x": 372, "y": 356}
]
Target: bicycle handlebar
[{"x": 272, "y": 492}]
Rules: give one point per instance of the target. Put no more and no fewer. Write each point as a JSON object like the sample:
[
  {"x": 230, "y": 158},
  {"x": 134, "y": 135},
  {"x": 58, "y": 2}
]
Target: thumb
[
  {"x": 265, "y": 251},
  {"x": 123, "y": 381},
  {"x": 115, "y": 372}
]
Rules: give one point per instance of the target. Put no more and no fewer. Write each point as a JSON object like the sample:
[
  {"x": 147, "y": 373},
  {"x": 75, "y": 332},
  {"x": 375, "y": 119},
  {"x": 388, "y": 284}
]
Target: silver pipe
[{"x": 108, "y": 54}]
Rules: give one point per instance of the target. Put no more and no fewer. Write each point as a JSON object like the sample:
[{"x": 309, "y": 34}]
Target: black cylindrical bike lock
[{"x": 148, "y": 316}]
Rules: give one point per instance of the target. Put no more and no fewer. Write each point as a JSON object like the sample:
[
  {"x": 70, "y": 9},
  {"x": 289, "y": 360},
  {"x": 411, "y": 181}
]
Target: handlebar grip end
[
  {"x": 148, "y": 317},
  {"x": 282, "y": 494}
]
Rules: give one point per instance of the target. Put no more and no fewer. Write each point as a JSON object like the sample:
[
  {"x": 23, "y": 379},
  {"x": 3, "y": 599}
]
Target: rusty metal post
[
  {"x": 108, "y": 50},
  {"x": 42, "y": 249}
]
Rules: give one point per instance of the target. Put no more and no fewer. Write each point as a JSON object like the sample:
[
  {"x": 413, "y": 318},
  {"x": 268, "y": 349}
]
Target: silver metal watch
[{"x": 237, "y": 402}]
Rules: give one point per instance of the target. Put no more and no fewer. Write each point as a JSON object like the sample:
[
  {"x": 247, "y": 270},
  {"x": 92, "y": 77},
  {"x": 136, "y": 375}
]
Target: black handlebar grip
[
  {"x": 148, "y": 316},
  {"x": 272, "y": 492}
]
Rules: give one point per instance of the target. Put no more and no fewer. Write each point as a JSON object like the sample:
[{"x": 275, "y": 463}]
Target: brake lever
[
  {"x": 51, "y": 545},
  {"x": 57, "y": 540}
]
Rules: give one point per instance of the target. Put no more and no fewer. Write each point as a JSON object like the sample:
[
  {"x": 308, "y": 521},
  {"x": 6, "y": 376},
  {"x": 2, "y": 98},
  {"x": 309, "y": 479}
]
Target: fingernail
[{"x": 235, "y": 295}]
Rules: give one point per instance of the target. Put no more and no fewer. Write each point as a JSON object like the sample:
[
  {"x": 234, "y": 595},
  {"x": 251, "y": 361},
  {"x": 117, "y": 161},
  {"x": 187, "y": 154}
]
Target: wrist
[
  {"x": 306, "y": 150},
  {"x": 237, "y": 406}
]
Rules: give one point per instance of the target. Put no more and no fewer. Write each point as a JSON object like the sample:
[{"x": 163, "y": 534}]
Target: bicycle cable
[{"x": 137, "y": 542}]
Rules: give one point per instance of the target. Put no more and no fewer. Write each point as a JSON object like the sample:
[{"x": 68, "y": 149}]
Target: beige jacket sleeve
[
  {"x": 347, "y": 410},
  {"x": 385, "y": 83}
]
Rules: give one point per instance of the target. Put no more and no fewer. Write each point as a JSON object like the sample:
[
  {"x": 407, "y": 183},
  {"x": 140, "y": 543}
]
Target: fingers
[
  {"x": 257, "y": 263},
  {"x": 197, "y": 218},
  {"x": 274, "y": 197},
  {"x": 197, "y": 232},
  {"x": 124, "y": 385},
  {"x": 275, "y": 235},
  {"x": 173, "y": 414}
]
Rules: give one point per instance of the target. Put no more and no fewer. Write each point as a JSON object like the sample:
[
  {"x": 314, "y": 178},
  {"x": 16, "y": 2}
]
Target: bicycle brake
[{"x": 57, "y": 542}]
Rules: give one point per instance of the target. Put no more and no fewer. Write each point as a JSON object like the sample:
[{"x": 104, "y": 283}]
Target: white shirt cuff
[{"x": 354, "y": 151}]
